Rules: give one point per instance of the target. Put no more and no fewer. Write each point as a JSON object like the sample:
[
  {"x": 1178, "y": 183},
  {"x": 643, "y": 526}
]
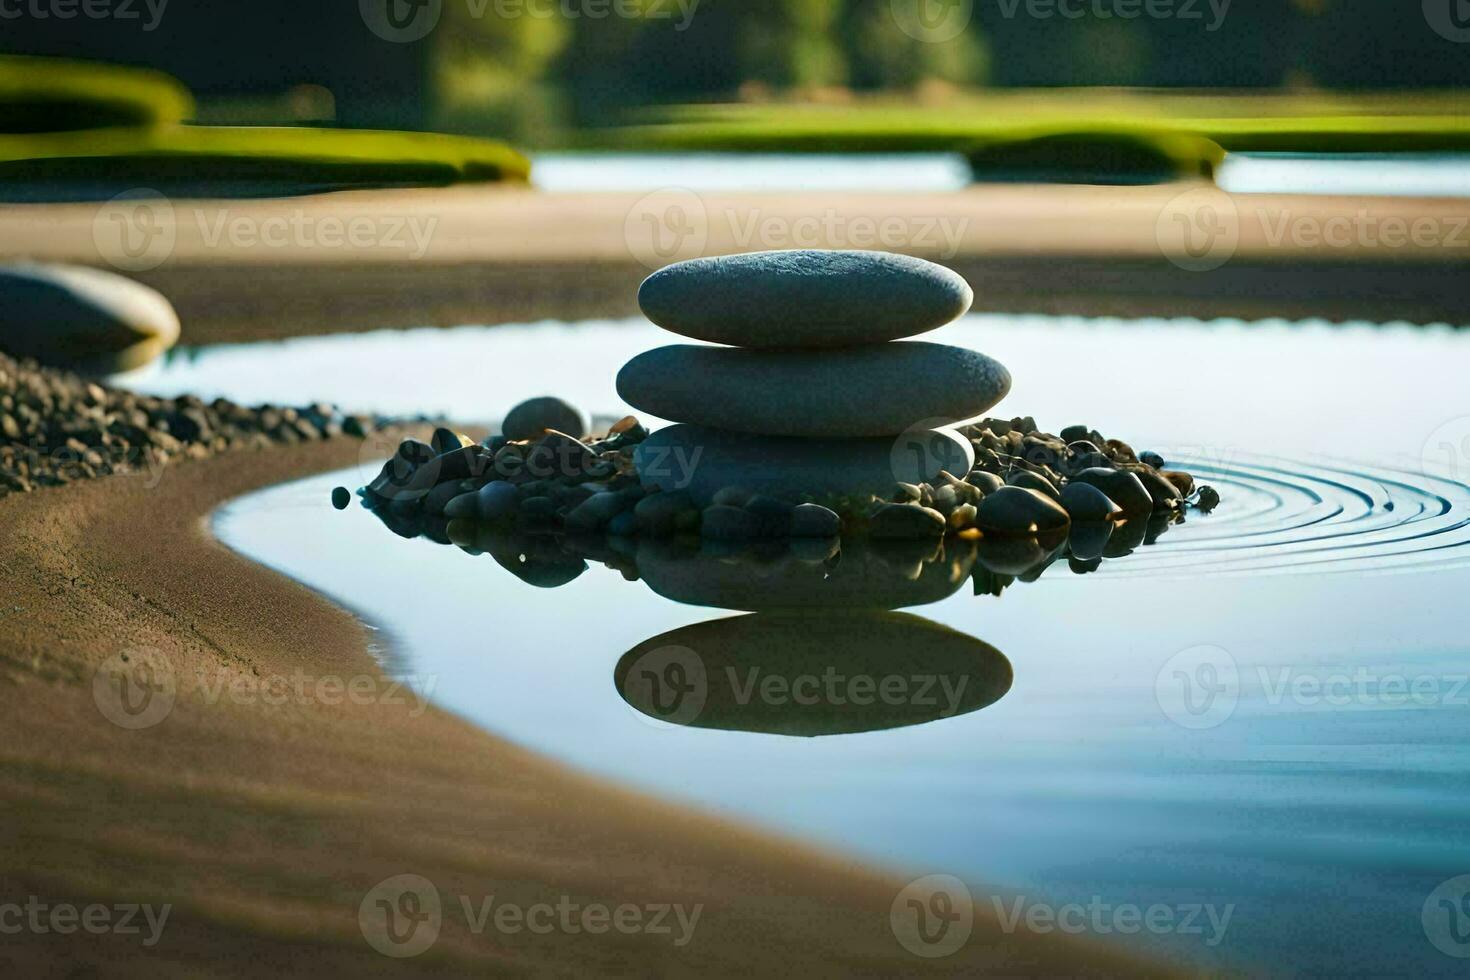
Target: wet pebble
[
  {"x": 1183, "y": 482},
  {"x": 1086, "y": 503},
  {"x": 814, "y": 521},
  {"x": 1122, "y": 487},
  {"x": 986, "y": 482},
  {"x": 596, "y": 511},
  {"x": 900, "y": 521},
  {"x": 1019, "y": 510},
  {"x": 1164, "y": 494},
  {"x": 533, "y": 418},
  {"x": 446, "y": 440},
  {"x": 496, "y": 501},
  {"x": 1033, "y": 481}
]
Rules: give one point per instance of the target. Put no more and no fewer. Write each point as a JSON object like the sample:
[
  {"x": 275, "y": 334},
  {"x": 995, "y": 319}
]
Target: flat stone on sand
[
  {"x": 703, "y": 461},
  {"x": 82, "y": 318},
  {"x": 804, "y": 298},
  {"x": 878, "y": 390}
]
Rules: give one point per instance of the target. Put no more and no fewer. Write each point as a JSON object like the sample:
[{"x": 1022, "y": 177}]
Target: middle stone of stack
[{"x": 815, "y": 396}]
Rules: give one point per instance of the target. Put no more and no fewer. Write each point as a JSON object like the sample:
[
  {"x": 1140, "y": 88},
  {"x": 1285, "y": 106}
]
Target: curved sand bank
[{"x": 265, "y": 824}]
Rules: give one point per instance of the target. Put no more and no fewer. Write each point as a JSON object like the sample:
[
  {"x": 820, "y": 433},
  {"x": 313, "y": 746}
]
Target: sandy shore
[
  {"x": 259, "y": 269},
  {"x": 264, "y": 825}
]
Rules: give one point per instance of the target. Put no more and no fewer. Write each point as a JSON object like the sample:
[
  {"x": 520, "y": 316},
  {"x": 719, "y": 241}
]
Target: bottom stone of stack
[{"x": 703, "y": 461}]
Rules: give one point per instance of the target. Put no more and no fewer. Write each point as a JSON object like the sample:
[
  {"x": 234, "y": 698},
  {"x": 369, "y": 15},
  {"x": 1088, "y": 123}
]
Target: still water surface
[
  {"x": 1426, "y": 175},
  {"x": 1263, "y": 714}
]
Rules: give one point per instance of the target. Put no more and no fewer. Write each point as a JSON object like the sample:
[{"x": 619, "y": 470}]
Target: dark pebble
[
  {"x": 814, "y": 521},
  {"x": 1018, "y": 510},
  {"x": 900, "y": 521},
  {"x": 1086, "y": 503},
  {"x": 1122, "y": 487},
  {"x": 341, "y": 497}
]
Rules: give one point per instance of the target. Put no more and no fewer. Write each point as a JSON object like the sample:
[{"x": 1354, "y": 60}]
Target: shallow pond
[{"x": 1262, "y": 715}]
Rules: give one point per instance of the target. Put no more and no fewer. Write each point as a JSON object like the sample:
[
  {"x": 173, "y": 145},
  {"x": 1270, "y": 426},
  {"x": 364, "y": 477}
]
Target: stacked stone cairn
[
  {"x": 814, "y": 418},
  {"x": 817, "y": 398}
]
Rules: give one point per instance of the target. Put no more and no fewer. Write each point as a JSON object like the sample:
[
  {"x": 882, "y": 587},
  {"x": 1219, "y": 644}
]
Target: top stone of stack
[{"x": 808, "y": 299}]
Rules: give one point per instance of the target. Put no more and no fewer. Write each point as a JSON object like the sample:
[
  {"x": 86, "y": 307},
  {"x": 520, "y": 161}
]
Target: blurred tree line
[
  {"x": 704, "y": 49},
  {"x": 513, "y": 66},
  {"x": 598, "y": 66}
]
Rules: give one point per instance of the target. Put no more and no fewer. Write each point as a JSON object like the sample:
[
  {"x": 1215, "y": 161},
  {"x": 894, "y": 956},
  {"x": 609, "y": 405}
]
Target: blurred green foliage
[
  {"x": 48, "y": 95},
  {"x": 266, "y": 155},
  {"x": 705, "y": 50}
]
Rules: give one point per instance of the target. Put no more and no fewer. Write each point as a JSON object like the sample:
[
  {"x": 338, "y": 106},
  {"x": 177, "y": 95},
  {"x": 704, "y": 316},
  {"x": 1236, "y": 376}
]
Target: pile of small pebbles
[
  {"x": 57, "y": 427},
  {"x": 1025, "y": 483}
]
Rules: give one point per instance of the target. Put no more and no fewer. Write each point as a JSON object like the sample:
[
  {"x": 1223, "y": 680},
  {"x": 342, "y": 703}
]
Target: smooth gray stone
[
  {"x": 813, "y": 674},
  {"x": 704, "y": 461},
  {"x": 867, "y": 575},
  {"x": 804, "y": 298},
  {"x": 532, "y": 418},
  {"x": 82, "y": 318},
  {"x": 879, "y": 390}
]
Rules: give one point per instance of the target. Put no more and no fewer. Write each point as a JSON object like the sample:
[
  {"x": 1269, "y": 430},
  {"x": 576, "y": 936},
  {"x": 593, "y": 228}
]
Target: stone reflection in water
[
  {"x": 851, "y": 574},
  {"x": 821, "y": 650},
  {"x": 811, "y": 673},
  {"x": 796, "y": 574}
]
